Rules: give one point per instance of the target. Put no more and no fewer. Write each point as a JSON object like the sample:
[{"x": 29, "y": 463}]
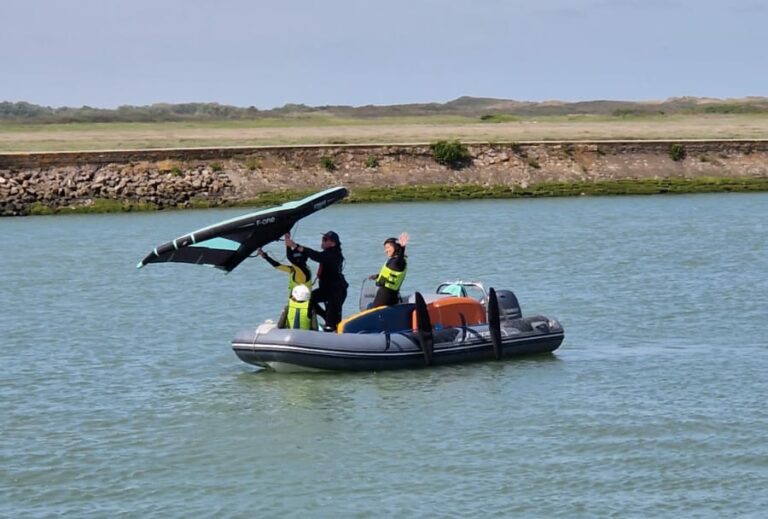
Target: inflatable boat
[
  {"x": 460, "y": 322},
  {"x": 447, "y": 327}
]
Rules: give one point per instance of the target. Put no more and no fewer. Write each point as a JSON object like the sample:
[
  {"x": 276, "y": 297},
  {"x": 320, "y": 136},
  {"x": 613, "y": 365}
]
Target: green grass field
[{"x": 409, "y": 129}]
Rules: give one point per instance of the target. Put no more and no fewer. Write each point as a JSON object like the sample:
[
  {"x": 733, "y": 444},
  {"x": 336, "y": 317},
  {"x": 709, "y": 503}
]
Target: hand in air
[
  {"x": 289, "y": 241},
  {"x": 403, "y": 240},
  {"x": 260, "y": 252}
]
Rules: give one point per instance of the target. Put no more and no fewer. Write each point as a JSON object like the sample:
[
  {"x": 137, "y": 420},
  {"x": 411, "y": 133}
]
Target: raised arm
[
  {"x": 270, "y": 260},
  {"x": 311, "y": 253}
]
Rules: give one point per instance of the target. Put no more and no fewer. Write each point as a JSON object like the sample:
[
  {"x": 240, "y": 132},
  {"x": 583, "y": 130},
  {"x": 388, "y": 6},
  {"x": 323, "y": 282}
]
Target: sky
[{"x": 107, "y": 53}]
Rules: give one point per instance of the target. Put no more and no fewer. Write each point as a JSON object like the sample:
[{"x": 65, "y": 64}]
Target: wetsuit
[
  {"x": 332, "y": 289},
  {"x": 390, "y": 279},
  {"x": 298, "y": 274}
]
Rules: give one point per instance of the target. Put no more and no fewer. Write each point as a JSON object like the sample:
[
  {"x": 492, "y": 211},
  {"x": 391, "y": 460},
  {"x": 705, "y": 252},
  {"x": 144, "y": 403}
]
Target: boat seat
[
  {"x": 396, "y": 318},
  {"x": 428, "y": 298},
  {"x": 454, "y": 290},
  {"x": 448, "y": 312}
]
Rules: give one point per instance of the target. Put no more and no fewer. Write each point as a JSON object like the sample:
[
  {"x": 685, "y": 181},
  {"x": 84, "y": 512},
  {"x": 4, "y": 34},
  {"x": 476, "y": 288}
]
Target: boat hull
[{"x": 300, "y": 350}]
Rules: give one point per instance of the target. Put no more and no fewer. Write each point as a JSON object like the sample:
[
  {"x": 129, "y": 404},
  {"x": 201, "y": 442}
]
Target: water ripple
[{"x": 120, "y": 396}]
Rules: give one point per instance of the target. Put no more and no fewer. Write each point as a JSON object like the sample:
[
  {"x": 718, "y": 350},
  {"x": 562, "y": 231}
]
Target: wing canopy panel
[{"x": 226, "y": 244}]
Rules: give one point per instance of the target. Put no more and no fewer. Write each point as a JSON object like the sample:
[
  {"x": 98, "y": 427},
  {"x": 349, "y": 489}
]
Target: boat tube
[{"x": 447, "y": 327}]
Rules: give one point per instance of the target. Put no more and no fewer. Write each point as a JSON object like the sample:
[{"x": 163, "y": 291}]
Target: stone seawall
[{"x": 43, "y": 182}]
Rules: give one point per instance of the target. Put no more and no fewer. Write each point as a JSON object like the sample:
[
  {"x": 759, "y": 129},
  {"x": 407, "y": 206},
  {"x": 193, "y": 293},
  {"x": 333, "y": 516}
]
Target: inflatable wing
[{"x": 226, "y": 244}]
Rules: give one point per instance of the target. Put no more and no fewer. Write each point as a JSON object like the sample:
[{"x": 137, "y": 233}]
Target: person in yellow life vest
[
  {"x": 298, "y": 313},
  {"x": 392, "y": 274},
  {"x": 298, "y": 271}
]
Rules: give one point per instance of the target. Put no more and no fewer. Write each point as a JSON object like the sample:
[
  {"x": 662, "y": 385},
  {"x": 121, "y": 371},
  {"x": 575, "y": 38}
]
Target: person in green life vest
[
  {"x": 298, "y": 271},
  {"x": 298, "y": 312},
  {"x": 392, "y": 274}
]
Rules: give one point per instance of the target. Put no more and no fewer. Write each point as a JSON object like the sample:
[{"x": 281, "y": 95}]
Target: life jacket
[
  {"x": 391, "y": 279},
  {"x": 298, "y": 315},
  {"x": 292, "y": 282}
]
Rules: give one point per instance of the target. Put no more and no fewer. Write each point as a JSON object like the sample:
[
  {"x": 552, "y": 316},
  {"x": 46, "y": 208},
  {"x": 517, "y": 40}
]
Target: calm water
[{"x": 120, "y": 395}]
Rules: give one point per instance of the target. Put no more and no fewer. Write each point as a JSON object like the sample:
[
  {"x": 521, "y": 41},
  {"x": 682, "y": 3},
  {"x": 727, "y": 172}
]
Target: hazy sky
[{"x": 107, "y": 53}]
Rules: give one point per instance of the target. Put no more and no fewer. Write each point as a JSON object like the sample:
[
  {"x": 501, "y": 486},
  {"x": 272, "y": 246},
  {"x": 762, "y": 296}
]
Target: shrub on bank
[
  {"x": 676, "y": 152},
  {"x": 327, "y": 163},
  {"x": 253, "y": 163},
  {"x": 371, "y": 162},
  {"x": 451, "y": 153}
]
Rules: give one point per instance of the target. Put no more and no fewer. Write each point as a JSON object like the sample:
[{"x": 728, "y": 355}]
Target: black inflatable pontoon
[{"x": 425, "y": 331}]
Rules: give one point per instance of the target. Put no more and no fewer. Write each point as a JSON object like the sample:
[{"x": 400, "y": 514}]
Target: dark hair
[{"x": 395, "y": 244}]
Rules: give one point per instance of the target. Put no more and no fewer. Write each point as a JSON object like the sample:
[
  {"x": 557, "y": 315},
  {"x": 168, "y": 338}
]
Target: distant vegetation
[
  {"x": 498, "y": 118},
  {"x": 481, "y": 109},
  {"x": 27, "y": 112}
]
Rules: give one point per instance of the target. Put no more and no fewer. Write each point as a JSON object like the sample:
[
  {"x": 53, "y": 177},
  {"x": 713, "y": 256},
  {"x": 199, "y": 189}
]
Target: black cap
[
  {"x": 333, "y": 237},
  {"x": 391, "y": 240}
]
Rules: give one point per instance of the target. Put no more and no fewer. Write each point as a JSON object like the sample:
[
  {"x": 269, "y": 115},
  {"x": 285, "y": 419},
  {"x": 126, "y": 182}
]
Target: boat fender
[
  {"x": 494, "y": 323},
  {"x": 424, "y": 331}
]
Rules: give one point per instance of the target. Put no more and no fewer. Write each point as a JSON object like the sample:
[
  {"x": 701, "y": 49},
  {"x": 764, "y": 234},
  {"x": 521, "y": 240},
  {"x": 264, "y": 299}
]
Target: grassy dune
[{"x": 407, "y": 129}]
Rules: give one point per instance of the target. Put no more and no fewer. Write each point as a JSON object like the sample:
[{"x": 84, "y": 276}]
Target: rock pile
[{"x": 21, "y": 192}]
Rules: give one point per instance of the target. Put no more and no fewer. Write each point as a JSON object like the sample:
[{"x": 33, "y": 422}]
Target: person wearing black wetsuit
[
  {"x": 392, "y": 274},
  {"x": 332, "y": 289}
]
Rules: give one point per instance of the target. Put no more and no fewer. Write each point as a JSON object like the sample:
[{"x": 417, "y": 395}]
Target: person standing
[
  {"x": 332, "y": 287},
  {"x": 392, "y": 274}
]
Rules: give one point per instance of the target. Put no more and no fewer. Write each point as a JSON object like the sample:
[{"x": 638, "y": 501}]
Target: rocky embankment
[
  {"x": 38, "y": 183},
  {"x": 86, "y": 185}
]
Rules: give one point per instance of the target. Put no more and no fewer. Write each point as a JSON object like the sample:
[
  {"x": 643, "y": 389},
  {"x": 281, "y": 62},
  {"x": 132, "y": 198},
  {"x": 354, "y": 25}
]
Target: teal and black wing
[{"x": 226, "y": 244}]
